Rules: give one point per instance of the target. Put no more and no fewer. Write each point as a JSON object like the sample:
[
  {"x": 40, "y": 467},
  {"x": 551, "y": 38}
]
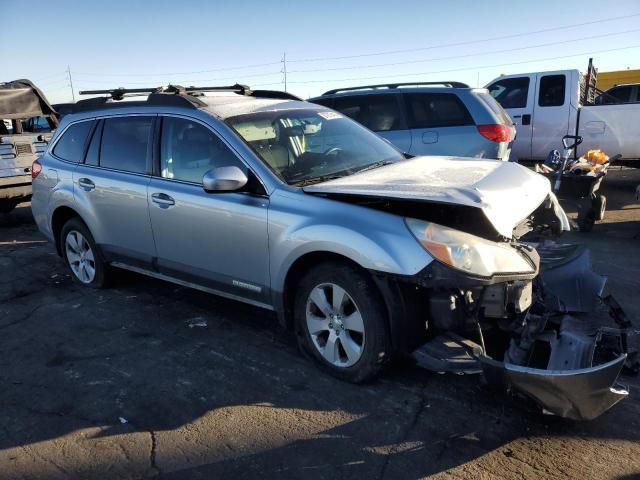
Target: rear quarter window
[
  {"x": 435, "y": 110},
  {"x": 71, "y": 145}
]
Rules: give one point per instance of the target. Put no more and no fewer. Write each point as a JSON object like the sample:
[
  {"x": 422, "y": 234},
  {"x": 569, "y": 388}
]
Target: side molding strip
[{"x": 195, "y": 286}]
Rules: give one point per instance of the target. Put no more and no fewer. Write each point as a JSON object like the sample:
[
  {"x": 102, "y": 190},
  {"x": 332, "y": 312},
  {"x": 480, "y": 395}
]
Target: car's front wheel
[
  {"x": 341, "y": 321},
  {"x": 82, "y": 255}
]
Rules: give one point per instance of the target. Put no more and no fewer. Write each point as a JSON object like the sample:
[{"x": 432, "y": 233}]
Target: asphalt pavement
[{"x": 147, "y": 379}]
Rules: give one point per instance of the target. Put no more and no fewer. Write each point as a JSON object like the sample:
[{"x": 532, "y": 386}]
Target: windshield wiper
[
  {"x": 375, "y": 165},
  {"x": 311, "y": 181}
]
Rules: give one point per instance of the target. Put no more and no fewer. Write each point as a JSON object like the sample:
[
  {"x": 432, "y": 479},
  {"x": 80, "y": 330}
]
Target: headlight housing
[{"x": 467, "y": 252}]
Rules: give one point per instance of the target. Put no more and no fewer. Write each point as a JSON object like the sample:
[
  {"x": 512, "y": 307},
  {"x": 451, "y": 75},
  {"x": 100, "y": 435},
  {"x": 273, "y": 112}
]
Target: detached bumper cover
[
  {"x": 581, "y": 394},
  {"x": 572, "y": 348},
  {"x": 566, "y": 351}
]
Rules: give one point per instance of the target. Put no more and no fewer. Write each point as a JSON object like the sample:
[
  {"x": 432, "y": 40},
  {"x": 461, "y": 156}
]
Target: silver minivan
[
  {"x": 429, "y": 118},
  {"x": 290, "y": 206}
]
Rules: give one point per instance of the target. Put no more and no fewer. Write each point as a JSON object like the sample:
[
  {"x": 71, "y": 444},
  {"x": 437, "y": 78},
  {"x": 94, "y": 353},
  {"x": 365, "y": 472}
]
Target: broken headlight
[{"x": 467, "y": 252}]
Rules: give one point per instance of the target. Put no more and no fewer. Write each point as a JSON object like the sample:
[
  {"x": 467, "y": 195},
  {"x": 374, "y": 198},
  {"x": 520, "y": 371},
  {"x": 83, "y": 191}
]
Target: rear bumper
[{"x": 15, "y": 188}]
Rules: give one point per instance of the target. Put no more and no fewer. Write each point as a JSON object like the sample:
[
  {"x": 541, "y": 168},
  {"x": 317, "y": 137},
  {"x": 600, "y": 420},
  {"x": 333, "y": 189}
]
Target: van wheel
[
  {"x": 341, "y": 322},
  {"x": 82, "y": 255}
]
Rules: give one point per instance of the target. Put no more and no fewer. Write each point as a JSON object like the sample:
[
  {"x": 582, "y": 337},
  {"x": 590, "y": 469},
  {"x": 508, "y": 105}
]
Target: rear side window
[
  {"x": 434, "y": 110},
  {"x": 70, "y": 147},
  {"x": 380, "y": 113},
  {"x": 552, "y": 89},
  {"x": 511, "y": 92},
  {"x": 126, "y": 143}
]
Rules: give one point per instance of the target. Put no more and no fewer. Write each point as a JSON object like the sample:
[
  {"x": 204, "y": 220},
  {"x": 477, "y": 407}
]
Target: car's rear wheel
[
  {"x": 341, "y": 322},
  {"x": 82, "y": 255}
]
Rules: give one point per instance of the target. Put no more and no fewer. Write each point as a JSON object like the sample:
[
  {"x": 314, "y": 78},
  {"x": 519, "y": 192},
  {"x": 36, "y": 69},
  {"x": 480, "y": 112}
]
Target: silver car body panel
[
  {"x": 300, "y": 224},
  {"x": 227, "y": 244},
  {"x": 488, "y": 185}
]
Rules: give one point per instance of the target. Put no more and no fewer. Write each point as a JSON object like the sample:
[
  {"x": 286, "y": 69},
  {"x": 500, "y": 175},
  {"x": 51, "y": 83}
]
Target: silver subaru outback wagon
[{"x": 293, "y": 207}]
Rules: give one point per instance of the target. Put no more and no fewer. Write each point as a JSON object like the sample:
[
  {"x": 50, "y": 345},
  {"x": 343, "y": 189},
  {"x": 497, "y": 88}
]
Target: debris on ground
[{"x": 199, "y": 322}]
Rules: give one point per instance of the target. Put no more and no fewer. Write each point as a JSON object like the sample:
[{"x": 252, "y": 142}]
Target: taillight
[
  {"x": 497, "y": 133},
  {"x": 36, "y": 168}
]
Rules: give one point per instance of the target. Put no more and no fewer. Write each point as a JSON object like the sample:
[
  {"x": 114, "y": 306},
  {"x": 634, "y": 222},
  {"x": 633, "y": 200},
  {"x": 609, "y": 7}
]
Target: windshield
[{"x": 308, "y": 146}]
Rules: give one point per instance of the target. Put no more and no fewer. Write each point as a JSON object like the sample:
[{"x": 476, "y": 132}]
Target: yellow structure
[{"x": 606, "y": 80}]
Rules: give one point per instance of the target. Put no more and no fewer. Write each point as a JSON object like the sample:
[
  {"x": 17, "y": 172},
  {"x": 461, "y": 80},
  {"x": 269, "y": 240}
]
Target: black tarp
[{"x": 21, "y": 99}]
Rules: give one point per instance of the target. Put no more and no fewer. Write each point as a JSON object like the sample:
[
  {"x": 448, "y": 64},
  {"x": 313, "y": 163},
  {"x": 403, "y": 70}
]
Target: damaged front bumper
[
  {"x": 580, "y": 393},
  {"x": 565, "y": 351}
]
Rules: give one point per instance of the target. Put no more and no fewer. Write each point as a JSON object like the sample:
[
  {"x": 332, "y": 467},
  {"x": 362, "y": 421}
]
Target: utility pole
[
  {"x": 73, "y": 95},
  {"x": 284, "y": 69}
]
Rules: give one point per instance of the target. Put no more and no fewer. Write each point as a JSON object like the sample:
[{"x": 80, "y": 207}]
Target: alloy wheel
[
  {"x": 335, "y": 325},
  {"x": 80, "y": 256}
]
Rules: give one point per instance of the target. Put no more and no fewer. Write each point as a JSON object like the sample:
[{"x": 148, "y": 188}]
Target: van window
[
  {"x": 552, "y": 89},
  {"x": 188, "y": 150},
  {"x": 434, "y": 110},
  {"x": 380, "y": 113},
  {"x": 70, "y": 147},
  {"x": 126, "y": 143},
  {"x": 511, "y": 92}
]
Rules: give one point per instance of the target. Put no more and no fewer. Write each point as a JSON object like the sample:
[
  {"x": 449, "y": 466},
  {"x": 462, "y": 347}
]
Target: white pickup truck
[{"x": 545, "y": 106}]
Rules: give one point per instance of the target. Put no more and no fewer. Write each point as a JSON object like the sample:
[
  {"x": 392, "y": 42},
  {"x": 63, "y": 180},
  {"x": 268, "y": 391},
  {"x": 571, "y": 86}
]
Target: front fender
[{"x": 374, "y": 240}]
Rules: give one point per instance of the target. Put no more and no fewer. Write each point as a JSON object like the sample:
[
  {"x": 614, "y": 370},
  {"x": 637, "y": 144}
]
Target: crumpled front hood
[{"x": 505, "y": 192}]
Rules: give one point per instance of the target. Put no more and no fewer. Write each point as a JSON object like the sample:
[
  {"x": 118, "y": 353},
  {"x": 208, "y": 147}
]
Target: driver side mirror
[{"x": 224, "y": 179}]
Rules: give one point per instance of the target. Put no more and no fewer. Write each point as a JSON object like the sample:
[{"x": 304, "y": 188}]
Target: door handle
[
  {"x": 162, "y": 200},
  {"x": 517, "y": 116},
  {"x": 526, "y": 119},
  {"x": 86, "y": 184}
]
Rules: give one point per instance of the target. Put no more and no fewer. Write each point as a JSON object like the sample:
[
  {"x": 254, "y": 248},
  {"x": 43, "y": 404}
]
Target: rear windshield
[{"x": 495, "y": 107}]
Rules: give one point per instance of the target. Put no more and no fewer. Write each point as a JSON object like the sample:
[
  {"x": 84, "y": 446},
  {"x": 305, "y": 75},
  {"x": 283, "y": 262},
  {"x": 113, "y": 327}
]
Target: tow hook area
[{"x": 568, "y": 351}]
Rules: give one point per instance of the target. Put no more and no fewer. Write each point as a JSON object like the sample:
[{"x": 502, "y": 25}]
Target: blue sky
[{"x": 138, "y": 44}]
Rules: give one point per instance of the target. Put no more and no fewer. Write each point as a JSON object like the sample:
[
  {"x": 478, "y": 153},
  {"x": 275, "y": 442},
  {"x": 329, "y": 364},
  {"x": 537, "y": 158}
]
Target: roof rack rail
[
  {"x": 396, "y": 85},
  {"x": 121, "y": 93},
  {"x": 175, "y": 95}
]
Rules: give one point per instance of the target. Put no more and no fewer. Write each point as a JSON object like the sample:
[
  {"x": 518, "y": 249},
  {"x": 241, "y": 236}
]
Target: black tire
[
  {"x": 100, "y": 278},
  {"x": 376, "y": 346}
]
